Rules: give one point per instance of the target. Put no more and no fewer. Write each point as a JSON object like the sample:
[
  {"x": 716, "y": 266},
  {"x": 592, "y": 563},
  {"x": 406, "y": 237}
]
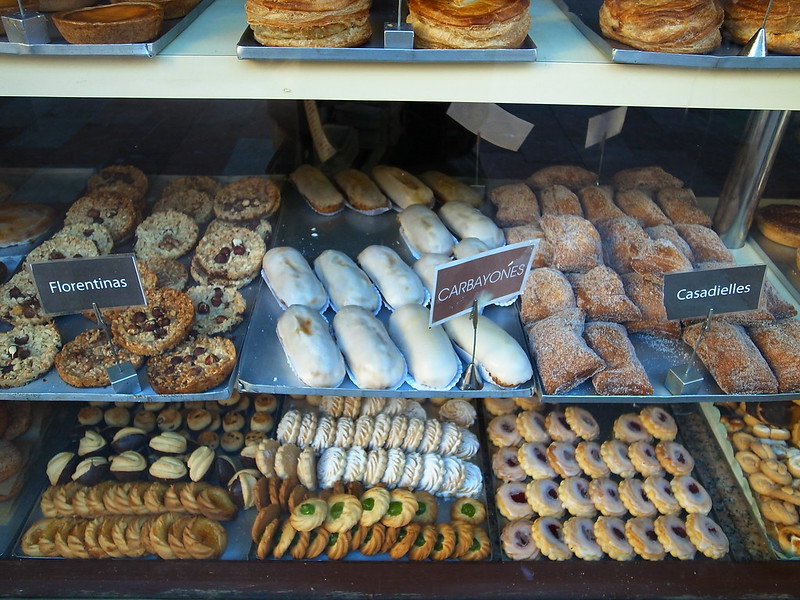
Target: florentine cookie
[
  {"x": 116, "y": 212},
  {"x": 247, "y": 198},
  {"x": 123, "y": 179},
  {"x": 201, "y": 183},
  {"x": 83, "y": 361},
  {"x": 169, "y": 234},
  {"x": 196, "y": 365},
  {"x": 163, "y": 323},
  {"x": 26, "y": 352},
  {"x": 19, "y": 301},
  {"x": 92, "y": 231},
  {"x": 195, "y": 204},
  {"x": 260, "y": 226},
  {"x": 232, "y": 254},
  {"x": 11, "y": 460},
  {"x": 61, "y": 247},
  {"x": 217, "y": 309},
  {"x": 169, "y": 272}
]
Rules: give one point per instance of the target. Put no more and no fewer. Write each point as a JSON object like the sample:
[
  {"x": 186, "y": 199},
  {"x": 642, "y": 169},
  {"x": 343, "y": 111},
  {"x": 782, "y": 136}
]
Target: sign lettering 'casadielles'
[
  {"x": 74, "y": 285},
  {"x": 494, "y": 277},
  {"x": 726, "y": 290}
]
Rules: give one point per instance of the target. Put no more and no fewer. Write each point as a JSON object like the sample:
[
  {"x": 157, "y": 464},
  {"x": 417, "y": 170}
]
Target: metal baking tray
[
  {"x": 263, "y": 366},
  {"x": 60, "y": 47},
  {"x": 659, "y": 355},
  {"x": 584, "y": 15},
  {"x": 373, "y": 50}
]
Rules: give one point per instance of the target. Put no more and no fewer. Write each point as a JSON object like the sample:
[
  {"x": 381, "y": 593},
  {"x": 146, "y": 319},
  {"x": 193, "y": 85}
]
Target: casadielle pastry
[
  {"x": 478, "y": 24},
  {"x": 681, "y": 26}
]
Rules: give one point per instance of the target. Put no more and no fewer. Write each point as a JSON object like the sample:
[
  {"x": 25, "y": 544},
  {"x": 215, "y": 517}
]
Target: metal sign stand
[
  {"x": 471, "y": 379},
  {"x": 123, "y": 376},
  {"x": 688, "y": 382},
  {"x": 26, "y": 27},
  {"x": 398, "y": 34}
]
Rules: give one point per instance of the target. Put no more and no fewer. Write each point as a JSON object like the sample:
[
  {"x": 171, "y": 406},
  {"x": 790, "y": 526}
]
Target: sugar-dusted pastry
[
  {"x": 561, "y": 456},
  {"x": 401, "y": 186},
  {"x": 571, "y": 176},
  {"x": 671, "y": 533},
  {"x": 517, "y": 540},
  {"x": 644, "y": 178},
  {"x": 574, "y": 495},
  {"x": 604, "y": 494},
  {"x": 641, "y": 534},
  {"x": 648, "y": 295},
  {"x": 706, "y": 245},
  {"x": 531, "y": 426},
  {"x": 610, "y": 535},
  {"x": 501, "y": 359},
  {"x": 691, "y": 495},
  {"x": 397, "y": 282},
  {"x": 458, "y": 411},
  {"x": 707, "y": 536},
  {"x": 659, "y": 492},
  {"x": 658, "y": 257},
  {"x": 547, "y": 291},
  {"x": 472, "y": 485},
  {"x": 559, "y": 200},
  {"x": 597, "y": 202},
  {"x": 291, "y": 279},
  {"x": 549, "y": 537},
  {"x": 590, "y": 460},
  {"x": 781, "y": 349},
  {"x": 644, "y": 459},
  {"x": 361, "y": 193},
  {"x": 312, "y": 353},
  {"x": 345, "y": 282},
  {"x": 621, "y": 238},
  {"x": 466, "y": 221},
  {"x": 732, "y": 358},
  {"x": 615, "y": 455},
  {"x": 431, "y": 359},
  {"x": 599, "y": 293},
  {"x": 515, "y": 204},
  {"x": 374, "y": 361},
  {"x": 668, "y": 232},
  {"x": 575, "y": 242},
  {"x": 580, "y": 537},
  {"x": 680, "y": 206},
  {"x": 563, "y": 358},
  {"x": 639, "y": 204}
]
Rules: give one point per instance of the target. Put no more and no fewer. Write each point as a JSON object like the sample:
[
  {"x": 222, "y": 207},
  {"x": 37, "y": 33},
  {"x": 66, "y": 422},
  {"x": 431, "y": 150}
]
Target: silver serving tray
[
  {"x": 60, "y": 47},
  {"x": 262, "y": 365},
  {"x": 373, "y": 50},
  {"x": 584, "y": 15}
]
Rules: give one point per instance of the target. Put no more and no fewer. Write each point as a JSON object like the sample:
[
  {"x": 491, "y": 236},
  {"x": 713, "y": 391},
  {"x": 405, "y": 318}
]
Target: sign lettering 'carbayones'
[{"x": 496, "y": 276}]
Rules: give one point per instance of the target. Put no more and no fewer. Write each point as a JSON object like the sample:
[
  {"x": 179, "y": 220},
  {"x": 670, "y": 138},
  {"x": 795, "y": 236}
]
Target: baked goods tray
[
  {"x": 59, "y": 47},
  {"x": 584, "y": 15},
  {"x": 373, "y": 50},
  {"x": 659, "y": 355},
  {"x": 262, "y": 365}
]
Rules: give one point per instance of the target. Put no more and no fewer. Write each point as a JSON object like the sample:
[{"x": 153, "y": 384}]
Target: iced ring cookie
[
  {"x": 659, "y": 492},
  {"x": 543, "y": 498},
  {"x": 517, "y": 540},
  {"x": 558, "y": 428},
  {"x": 548, "y": 535},
  {"x": 499, "y": 406},
  {"x": 532, "y": 458},
  {"x": 590, "y": 460},
  {"x": 561, "y": 456},
  {"x": 642, "y": 536},
  {"x": 707, "y": 536},
  {"x": 633, "y": 496},
  {"x": 502, "y": 431},
  {"x": 530, "y": 425},
  {"x": 610, "y": 535},
  {"x": 692, "y": 496},
  {"x": 671, "y": 533},
  {"x": 582, "y": 422},
  {"x": 506, "y": 466},
  {"x": 511, "y": 500},
  {"x": 644, "y": 459},
  {"x": 615, "y": 455},
  {"x": 675, "y": 459},
  {"x": 574, "y": 495},
  {"x": 659, "y": 423},
  {"x": 579, "y": 536},
  {"x": 604, "y": 493},
  {"x": 629, "y": 428}
]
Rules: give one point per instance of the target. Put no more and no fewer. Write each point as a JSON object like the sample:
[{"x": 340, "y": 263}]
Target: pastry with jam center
[
  {"x": 83, "y": 361},
  {"x": 217, "y": 309},
  {"x": 194, "y": 366},
  {"x": 163, "y": 323}
]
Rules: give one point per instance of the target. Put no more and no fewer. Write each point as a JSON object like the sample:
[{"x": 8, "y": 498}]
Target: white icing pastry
[
  {"x": 345, "y": 283},
  {"x": 466, "y": 221},
  {"x": 291, "y": 279},
  {"x": 424, "y": 231},
  {"x": 425, "y": 267},
  {"x": 309, "y": 347},
  {"x": 397, "y": 282}
]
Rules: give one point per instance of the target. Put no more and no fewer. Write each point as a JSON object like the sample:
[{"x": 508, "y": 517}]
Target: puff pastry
[{"x": 744, "y": 17}]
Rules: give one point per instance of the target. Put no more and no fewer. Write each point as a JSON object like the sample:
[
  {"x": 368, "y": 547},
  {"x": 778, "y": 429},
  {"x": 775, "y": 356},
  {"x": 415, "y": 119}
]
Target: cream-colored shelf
[{"x": 202, "y": 63}]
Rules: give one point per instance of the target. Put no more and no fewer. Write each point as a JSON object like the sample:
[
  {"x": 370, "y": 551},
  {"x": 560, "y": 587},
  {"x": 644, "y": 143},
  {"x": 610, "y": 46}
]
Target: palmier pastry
[{"x": 663, "y": 25}]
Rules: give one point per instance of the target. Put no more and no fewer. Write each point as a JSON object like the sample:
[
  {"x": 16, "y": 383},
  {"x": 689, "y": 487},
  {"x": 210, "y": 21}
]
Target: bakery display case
[{"x": 204, "y": 63}]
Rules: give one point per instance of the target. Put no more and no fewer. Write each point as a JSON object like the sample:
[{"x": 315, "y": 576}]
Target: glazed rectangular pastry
[
  {"x": 782, "y": 351},
  {"x": 546, "y": 292},
  {"x": 624, "y": 374},
  {"x": 575, "y": 243},
  {"x": 515, "y": 204},
  {"x": 424, "y": 232},
  {"x": 559, "y": 200},
  {"x": 402, "y": 187},
  {"x": 373, "y": 359},
  {"x": 732, "y": 359},
  {"x": 291, "y": 279},
  {"x": 600, "y": 295},
  {"x": 647, "y": 294},
  {"x": 466, "y": 221},
  {"x": 562, "y": 356},
  {"x": 448, "y": 189},
  {"x": 345, "y": 283},
  {"x": 680, "y": 205},
  {"x": 425, "y": 268},
  {"x": 598, "y": 203},
  {"x": 317, "y": 190},
  {"x": 309, "y": 347},
  {"x": 639, "y": 205},
  {"x": 362, "y": 194},
  {"x": 397, "y": 282}
]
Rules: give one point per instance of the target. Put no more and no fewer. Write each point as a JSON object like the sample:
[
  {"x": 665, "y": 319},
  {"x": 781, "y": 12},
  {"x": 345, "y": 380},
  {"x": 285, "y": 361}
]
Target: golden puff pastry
[{"x": 744, "y": 17}]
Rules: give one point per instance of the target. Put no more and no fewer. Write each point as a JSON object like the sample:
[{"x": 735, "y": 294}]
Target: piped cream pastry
[
  {"x": 372, "y": 405},
  {"x": 309, "y": 347},
  {"x": 128, "y": 465},
  {"x": 265, "y": 457},
  {"x": 397, "y": 432},
  {"x": 308, "y": 427},
  {"x": 469, "y": 445},
  {"x": 91, "y": 471},
  {"x": 307, "y": 468},
  {"x": 451, "y": 439},
  {"x": 455, "y": 472},
  {"x": 363, "y": 431},
  {"x": 395, "y": 464},
  {"x": 289, "y": 427},
  {"x": 473, "y": 481},
  {"x": 200, "y": 462},
  {"x": 345, "y": 282},
  {"x": 373, "y": 359},
  {"x": 168, "y": 443},
  {"x": 412, "y": 471},
  {"x": 432, "y": 473},
  {"x": 431, "y": 437},
  {"x": 345, "y": 430},
  {"x": 91, "y": 444},
  {"x": 325, "y": 434},
  {"x": 395, "y": 406},
  {"x": 380, "y": 433},
  {"x": 397, "y": 282},
  {"x": 355, "y": 465},
  {"x": 168, "y": 469},
  {"x": 466, "y": 221},
  {"x": 414, "y": 433},
  {"x": 331, "y": 466},
  {"x": 61, "y": 467},
  {"x": 376, "y": 466},
  {"x": 458, "y": 411}
]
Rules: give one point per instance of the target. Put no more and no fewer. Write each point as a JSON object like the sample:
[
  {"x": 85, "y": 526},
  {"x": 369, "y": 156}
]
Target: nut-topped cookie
[
  {"x": 196, "y": 204},
  {"x": 26, "y": 352},
  {"x": 201, "y": 183},
  {"x": 83, "y": 361},
  {"x": 123, "y": 179},
  {"x": 229, "y": 253},
  {"x": 92, "y": 231},
  {"x": 260, "y": 226},
  {"x": 169, "y": 234},
  {"x": 151, "y": 329},
  {"x": 19, "y": 300},
  {"x": 217, "y": 309},
  {"x": 61, "y": 247},
  {"x": 247, "y": 198},
  {"x": 116, "y": 212},
  {"x": 169, "y": 272},
  {"x": 196, "y": 365}
]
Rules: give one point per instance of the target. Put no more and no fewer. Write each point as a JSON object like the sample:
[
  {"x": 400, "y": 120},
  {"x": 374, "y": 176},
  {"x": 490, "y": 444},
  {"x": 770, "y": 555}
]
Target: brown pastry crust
[
  {"x": 744, "y": 17},
  {"x": 571, "y": 176},
  {"x": 644, "y": 178},
  {"x": 515, "y": 203},
  {"x": 639, "y": 205},
  {"x": 705, "y": 243},
  {"x": 622, "y": 237},
  {"x": 780, "y": 223},
  {"x": 781, "y": 350},
  {"x": 575, "y": 242},
  {"x": 598, "y": 203},
  {"x": 624, "y": 373},
  {"x": 680, "y": 205},
  {"x": 648, "y": 295},
  {"x": 546, "y": 293},
  {"x": 111, "y": 24},
  {"x": 600, "y": 295},
  {"x": 83, "y": 361},
  {"x": 162, "y": 324},
  {"x": 559, "y": 200}
]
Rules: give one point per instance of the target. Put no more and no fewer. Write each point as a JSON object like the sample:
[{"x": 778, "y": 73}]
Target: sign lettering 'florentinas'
[
  {"x": 726, "y": 290},
  {"x": 74, "y": 285},
  {"x": 496, "y": 276}
]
